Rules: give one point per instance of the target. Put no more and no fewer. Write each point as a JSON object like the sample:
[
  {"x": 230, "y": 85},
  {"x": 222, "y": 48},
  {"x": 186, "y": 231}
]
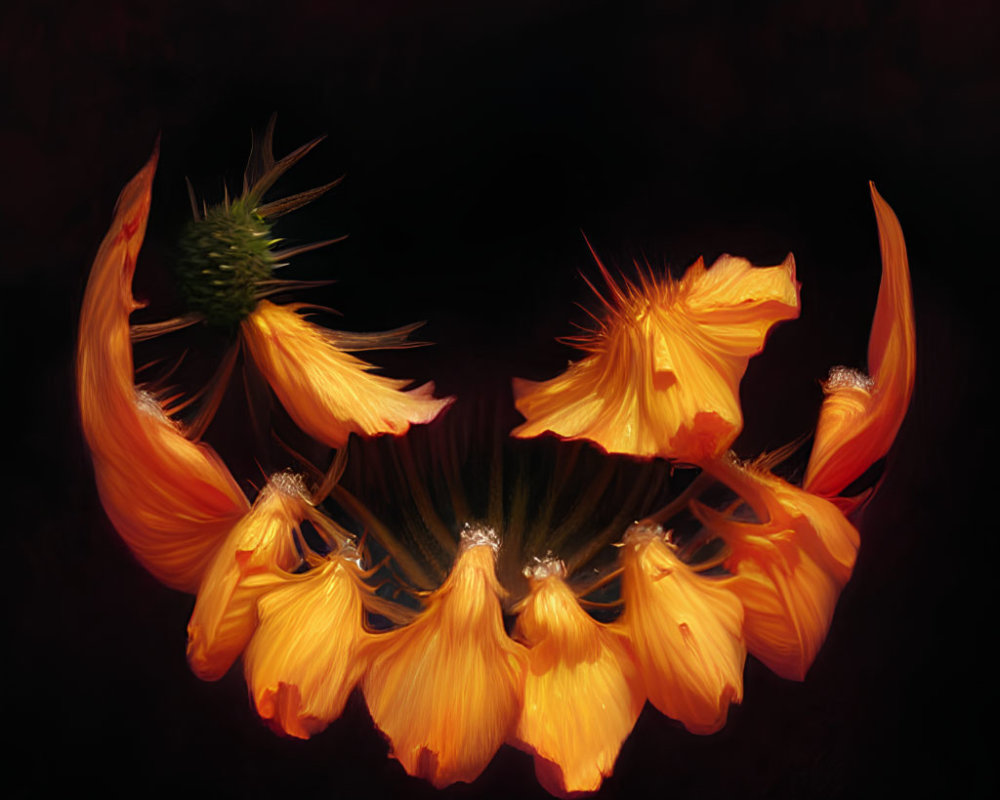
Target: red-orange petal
[
  {"x": 789, "y": 568},
  {"x": 302, "y": 661},
  {"x": 582, "y": 693},
  {"x": 328, "y": 392},
  {"x": 446, "y": 689},
  {"x": 662, "y": 377},
  {"x": 861, "y": 415},
  {"x": 256, "y": 557},
  {"x": 172, "y": 500},
  {"x": 685, "y": 631}
]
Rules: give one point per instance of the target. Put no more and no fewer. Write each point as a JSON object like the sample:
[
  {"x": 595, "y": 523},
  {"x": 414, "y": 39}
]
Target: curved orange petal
[
  {"x": 302, "y": 662},
  {"x": 861, "y": 415},
  {"x": 685, "y": 631},
  {"x": 789, "y": 569},
  {"x": 328, "y": 392},
  {"x": 256, "y": 557},
  {"x": 172, "y": 500},
  {"x": 445, "y": 689},
  {"x": 662, "y": 377},
  {"x": 582, "y": 693}
]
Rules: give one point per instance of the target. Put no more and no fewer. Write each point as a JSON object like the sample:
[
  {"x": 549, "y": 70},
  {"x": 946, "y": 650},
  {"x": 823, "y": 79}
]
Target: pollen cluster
[{"x": 544, "y": 617}]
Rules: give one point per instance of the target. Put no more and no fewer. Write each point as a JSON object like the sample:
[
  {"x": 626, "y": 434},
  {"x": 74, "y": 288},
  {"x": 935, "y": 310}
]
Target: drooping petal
[
  {"x": 257, "y": 556},
  {"x": 663, "y": 374},
  {"x": 328, "y": 392},
  {"x": 302, "y": 662},
  {"x": 445, "y": 690},
  {"x": 685, "y": 631},
  {"x": 861, "y": 415},
  {"x": 789, "y": 568},
  {"x": 582, "y": 693},
  {"x": 172, "y": 500}
]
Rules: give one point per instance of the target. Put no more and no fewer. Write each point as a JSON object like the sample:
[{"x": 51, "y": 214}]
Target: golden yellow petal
[
  {"x": 685, "y": 631},
  {"x": 446, "y": 689},
  {"x": 302, "y": 662},
  {"x": 582, "y": 693},
  {"x": 256, "y": 557},
  {"x": 662, "y": 377},
  {"x": 329, "y": 393},
  {"x": 860, "y": 416},
  {"x": 172, "y": 500}
]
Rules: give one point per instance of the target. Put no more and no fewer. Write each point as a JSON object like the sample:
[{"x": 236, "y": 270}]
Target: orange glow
[
  {"x": 685, "y": 630},
  {"x": 172, "y": 500},
  {"x": 789, "y": 569},
  {"x": 257, "y": 556},
  {"x": 582, "y": 693},
  {"x": 861, "y": 415},
  {"x": 302, "y": 662},
  {"x": 328, "y": 392},
  {"x": 663, "y": 374},
  {"x": 446, "y": 689}
]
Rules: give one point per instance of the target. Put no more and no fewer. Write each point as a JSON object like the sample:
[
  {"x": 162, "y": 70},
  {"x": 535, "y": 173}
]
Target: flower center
[{"x": 223, "y": 258}]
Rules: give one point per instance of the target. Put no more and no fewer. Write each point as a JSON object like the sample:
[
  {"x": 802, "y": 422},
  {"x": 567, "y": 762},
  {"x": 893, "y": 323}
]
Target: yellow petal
[
  {"x": 257, "y": 556},
  {"x": 329, "y": 393},
  {"x": 445, "y": 689},
  {"x": 172, "y": 500},
  {"x": 302, "y": 662},
  {"x": 685, "y": 631},
  {"x": 861, "y": 415},
  {"x": 662, "y": 377},
  {"x": 582, "y": 693},
  {"x": 790, "y": 568}
]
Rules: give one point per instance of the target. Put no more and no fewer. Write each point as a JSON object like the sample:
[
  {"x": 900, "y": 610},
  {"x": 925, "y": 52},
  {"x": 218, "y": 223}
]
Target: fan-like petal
[
  {"x": 582, "y": 693},
  {"x": 662, "y": 378},
  {"x": 171, "y": 499},
  {"x": 445, "y": 690},
  {"x": 685, "y": 630},
  {"x": 861, "y": 415},
  {"x": 328, "y": 392}
]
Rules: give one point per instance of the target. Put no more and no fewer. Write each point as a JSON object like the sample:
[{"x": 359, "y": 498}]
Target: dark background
[{"x": 478, "y": 140}]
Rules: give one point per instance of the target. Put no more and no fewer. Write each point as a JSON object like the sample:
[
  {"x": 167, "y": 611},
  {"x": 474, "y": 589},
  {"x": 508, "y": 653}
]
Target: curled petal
[
  {"x": 861, "y": 415},
  {"x": 663, "y": 374},
  {"x": 685, "y": 631},
  {"x": 582, "y": 693},
  {"x": 257, "y": 556},
  {"x": 302, "y": 662},
  {"x": 445, "y": 689},
  {"x": 789, "y": 569},
  {"x": 172, "y": 500},
  {"x": 329, "y": 393}
]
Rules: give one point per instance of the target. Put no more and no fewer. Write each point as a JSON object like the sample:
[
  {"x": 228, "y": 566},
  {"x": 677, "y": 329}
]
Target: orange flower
[
  {"x": 582, "y": 693},
  {"x": 302, "y": 662},
  {"x": 171, "y": 499},
  {"x": 662, "y": 378},
  {"x": 257, "y": 556},
  {"x": 789, "y": 568},
  {"x": 446, "y": 689},
  {"x": 861, "y": 414},
  {"x": 685, "y": 630},
  {"x": 328, "y": 392}
]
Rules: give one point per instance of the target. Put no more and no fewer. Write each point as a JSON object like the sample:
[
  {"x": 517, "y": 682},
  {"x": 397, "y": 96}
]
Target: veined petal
[
  {"x": 329, "y": 393},
  {"x": 445, "y": 690},
  {"x": 861, "y": 415},
  {"x": 582, "y": 693},
  {"x": 662, "y": 377},
  {"x": 257, "y": 556},
  {"x": 789, "y": 569},
  {"x": 302, "y": 662},
  {"x": 172, "y": 500},
  {"x": 685, "y": 631}
]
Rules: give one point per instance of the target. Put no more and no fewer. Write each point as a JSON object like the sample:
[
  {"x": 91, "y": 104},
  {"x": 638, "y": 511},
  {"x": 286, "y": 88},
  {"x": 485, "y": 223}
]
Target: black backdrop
[{"x": 477, "y": 141}]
